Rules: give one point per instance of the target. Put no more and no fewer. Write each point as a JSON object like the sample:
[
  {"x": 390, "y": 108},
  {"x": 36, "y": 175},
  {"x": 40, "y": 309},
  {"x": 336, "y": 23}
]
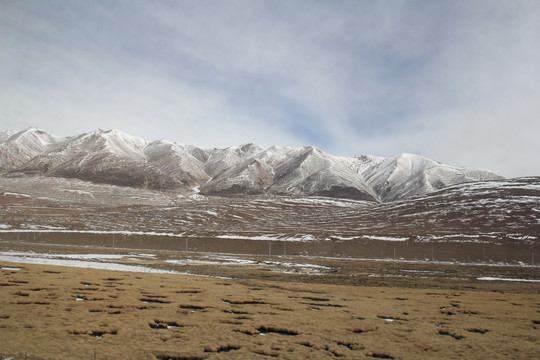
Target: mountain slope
[
  {"x": 220, "y": 160},
  {"x": 4, "y": 135},
  {"x": 289, "y": 171},
  {"x": 18, "y": 148},
  {"x": 249, "y": 177},
  {"x": 481, "y": 213},
  {"x": 176, "y": 163},
  {"x": 313, "y": 172},
  {"x": 112, "y": 157},
  {"x": 406, "y": 175},
  {"x": 116, "y": 158},
  {"x": 99, "y": 156},
  {"x": 496, "y": 206}
]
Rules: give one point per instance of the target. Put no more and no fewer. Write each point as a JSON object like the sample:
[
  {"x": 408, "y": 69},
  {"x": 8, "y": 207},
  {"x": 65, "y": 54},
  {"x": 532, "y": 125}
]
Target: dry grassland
[{"x": 67, "y": 313}]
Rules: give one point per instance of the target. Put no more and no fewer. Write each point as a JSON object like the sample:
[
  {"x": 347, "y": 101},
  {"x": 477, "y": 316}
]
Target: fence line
[{"x": 371, "y": 249}]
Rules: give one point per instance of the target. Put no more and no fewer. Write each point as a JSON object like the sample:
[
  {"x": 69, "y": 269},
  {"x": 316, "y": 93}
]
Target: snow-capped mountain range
[{"x": 113, "y": 157}]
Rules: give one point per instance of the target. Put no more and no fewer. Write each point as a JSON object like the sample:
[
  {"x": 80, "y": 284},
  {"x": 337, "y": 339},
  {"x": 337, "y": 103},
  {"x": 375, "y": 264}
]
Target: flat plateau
[{"x": 212, "y": 306}]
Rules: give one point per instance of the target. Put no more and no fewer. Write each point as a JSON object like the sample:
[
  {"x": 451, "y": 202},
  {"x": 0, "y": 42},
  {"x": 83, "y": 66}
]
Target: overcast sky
[{"x": 455, "y": 81}]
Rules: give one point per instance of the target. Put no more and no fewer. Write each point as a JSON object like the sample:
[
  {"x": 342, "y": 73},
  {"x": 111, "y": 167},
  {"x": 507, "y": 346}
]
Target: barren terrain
[
  {"x": 493, "y": 222},
  {"x": 105, "y": 272},
  {"x": 254, "y": 307}
]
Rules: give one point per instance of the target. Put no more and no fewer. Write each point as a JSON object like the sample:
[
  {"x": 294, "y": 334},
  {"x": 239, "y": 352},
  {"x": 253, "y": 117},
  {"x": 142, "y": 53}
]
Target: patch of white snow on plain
[
  {"x": 176, "y": 262},
  {"x": 386, "y": 238},
  {"x": 16, "y": 194},
  {"x": 44, "y": 227},
  {"x": 303, "y": 266},
  {"x": 224, "y": 261},
  {"x": 307, "y": 237},
  {"x": 52, "y": 229},
  {"x": 520, "y": 237},
  {"x": 243, "y": 237},
  {"x": 422, "y": 271},
  {"x": 42, "y": 259},
  {"x": 95, "y": 257},
  {"x": 145, "y": 255},
  {"x": 10, "y": 268},
  {"x": 85, "y": 264},
  {"x": 234, "y": 260},
  {"x": 204, "y": 262},
  {"x": 343, "y": 237},
  {"x": 489, "y": 278}
]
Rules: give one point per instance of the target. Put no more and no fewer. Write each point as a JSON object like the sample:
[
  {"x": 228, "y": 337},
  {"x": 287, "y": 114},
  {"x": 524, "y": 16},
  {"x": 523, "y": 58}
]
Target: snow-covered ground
[
  {"x": 211, "y": 264},
  {"x": 218, "y": 260},
  {"x": 53, "y": 229},
  {"x": 94, "y": 261},
  {"x": 385, "y": 238},
  {"x": 491, "y": 278},
  {"x": 110, "y": 262}
]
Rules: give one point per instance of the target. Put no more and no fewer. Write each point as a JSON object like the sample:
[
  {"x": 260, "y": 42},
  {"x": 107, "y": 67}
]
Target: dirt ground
[{"x": 352, "y": 310}]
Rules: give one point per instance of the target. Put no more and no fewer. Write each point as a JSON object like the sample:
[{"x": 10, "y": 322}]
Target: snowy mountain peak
[
  {"x": 30, "y": 129},
  {"x": 24, "y": 145},
  {"x": 33, "y": 134},
  {"x": 117, "y": 136},
  {"x": 113, "y": 157},
  {"x": 113, "y": 141},
  {"x": 250, "y": 148},
  {"x": 406, "y": 175}
]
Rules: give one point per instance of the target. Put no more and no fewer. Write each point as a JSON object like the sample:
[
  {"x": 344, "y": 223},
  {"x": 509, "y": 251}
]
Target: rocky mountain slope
[{"x": 116, "y": 158}]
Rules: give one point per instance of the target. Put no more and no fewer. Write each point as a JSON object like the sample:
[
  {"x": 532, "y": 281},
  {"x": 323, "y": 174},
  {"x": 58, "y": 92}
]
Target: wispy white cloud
[{"x": 455, "y": 81}]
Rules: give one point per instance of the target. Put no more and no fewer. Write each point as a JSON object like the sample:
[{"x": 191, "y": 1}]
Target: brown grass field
[{"x": 53, "y": 312}]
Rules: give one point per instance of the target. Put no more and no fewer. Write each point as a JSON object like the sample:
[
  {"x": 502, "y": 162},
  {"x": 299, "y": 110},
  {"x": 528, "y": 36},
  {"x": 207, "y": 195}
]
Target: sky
[{"x": 455, "y": 81}]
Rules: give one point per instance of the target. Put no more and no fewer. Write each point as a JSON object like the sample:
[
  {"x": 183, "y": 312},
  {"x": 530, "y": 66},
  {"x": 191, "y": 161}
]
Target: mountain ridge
[{"x": 113, "y": 157}]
